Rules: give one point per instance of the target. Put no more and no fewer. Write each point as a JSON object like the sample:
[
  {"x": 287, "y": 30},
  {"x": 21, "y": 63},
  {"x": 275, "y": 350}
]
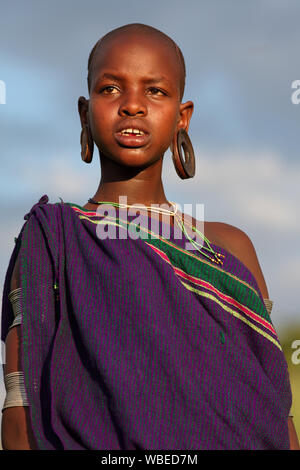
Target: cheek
[
  {"x": 171, "y": 116},
  {"x": 165, "y": 119},
  {"x": 168, "y": 127},
  {"x": 99, "y": 118}
]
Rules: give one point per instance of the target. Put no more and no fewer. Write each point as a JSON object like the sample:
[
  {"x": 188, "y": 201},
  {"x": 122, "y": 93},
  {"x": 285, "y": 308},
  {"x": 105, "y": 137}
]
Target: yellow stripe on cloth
[{"x": 234, "y": 313}]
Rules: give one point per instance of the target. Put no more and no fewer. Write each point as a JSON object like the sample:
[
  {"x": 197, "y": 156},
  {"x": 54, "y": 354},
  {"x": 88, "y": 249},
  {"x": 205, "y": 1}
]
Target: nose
[{"x": 132, "y": 104}]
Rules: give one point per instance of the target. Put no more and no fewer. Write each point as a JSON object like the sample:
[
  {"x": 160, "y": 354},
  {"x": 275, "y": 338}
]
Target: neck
[{"x": 135, "y": 185}]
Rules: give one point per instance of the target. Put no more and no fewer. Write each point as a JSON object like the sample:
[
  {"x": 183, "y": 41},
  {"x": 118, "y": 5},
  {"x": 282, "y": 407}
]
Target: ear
[
  {"x": 83, "y": 106},
  {"x": 185, "y": 114}
]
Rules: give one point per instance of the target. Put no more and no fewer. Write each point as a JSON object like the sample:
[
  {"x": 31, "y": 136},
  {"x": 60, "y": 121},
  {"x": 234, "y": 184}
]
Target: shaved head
[{"x": 139, "y": 28}]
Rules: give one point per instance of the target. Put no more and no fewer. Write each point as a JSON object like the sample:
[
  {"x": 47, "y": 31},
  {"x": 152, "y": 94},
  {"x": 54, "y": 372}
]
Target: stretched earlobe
[
  {"x": 86, "y": 139},
  {"x": 87, "y": 144},
  {"x": 184, "y": 166}
]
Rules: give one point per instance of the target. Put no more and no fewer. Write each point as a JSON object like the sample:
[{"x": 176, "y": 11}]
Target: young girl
[{"x": 124, "y": 338}]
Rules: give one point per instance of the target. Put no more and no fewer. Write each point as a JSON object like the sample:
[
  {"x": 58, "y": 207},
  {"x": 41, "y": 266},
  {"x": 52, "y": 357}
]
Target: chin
[{"x": 132, "y": 159}]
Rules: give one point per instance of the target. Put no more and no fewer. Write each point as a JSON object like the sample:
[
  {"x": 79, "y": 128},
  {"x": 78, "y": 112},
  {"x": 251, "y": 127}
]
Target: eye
[
  {"x": 109, "y": 90},
  {"x": 156, "y": 91}
]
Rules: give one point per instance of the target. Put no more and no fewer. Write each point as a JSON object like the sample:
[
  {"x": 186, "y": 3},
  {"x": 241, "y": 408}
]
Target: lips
[
  {"x": 132, "y": 139},
  {"x": 132, "y": 124}
]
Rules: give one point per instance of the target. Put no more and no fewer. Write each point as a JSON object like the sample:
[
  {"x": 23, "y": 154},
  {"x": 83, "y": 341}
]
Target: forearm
[
  {"x": 16, "y": 432},
  {"x": 294, "y": 443}
]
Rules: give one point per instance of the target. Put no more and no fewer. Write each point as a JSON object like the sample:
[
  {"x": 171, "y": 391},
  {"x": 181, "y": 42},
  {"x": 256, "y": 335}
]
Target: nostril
[
  {"x": 128, "y": 112},
  {"x": 132, "y": 108}
]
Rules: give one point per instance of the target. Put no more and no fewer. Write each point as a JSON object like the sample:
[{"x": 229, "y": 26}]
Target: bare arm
[
  {"x": 16, "y": 430},
  {"x": 240, "y": 245},
  {"x": 294, "y": 442}
]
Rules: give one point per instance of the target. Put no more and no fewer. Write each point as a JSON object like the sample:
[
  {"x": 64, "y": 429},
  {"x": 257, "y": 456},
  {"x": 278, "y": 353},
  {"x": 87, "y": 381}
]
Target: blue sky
[{"x": 241, "y": 59}]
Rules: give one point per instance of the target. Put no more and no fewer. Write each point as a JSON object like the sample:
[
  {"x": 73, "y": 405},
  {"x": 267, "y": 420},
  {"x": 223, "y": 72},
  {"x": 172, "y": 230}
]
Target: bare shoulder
[{"x": 238, "y": 243}]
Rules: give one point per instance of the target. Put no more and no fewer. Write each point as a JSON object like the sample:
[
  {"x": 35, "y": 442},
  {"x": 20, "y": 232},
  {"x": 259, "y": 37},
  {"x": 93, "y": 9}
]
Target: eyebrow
[{"x": 144, "y": 80}]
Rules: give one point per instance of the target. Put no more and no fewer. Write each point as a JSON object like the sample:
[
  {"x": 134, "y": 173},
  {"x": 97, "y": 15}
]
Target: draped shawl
[{"x": 141, "y": 343}]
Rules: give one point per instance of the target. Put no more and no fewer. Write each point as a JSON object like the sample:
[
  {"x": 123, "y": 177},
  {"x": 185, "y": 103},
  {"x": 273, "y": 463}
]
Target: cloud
[
  {"x": 256, "y": 186},
  {"x": 59, "y": 175},
  {"x": 288, "y": 274}
]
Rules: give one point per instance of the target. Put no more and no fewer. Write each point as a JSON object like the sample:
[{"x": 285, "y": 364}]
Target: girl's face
[{"x": 135, "y": 85}]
